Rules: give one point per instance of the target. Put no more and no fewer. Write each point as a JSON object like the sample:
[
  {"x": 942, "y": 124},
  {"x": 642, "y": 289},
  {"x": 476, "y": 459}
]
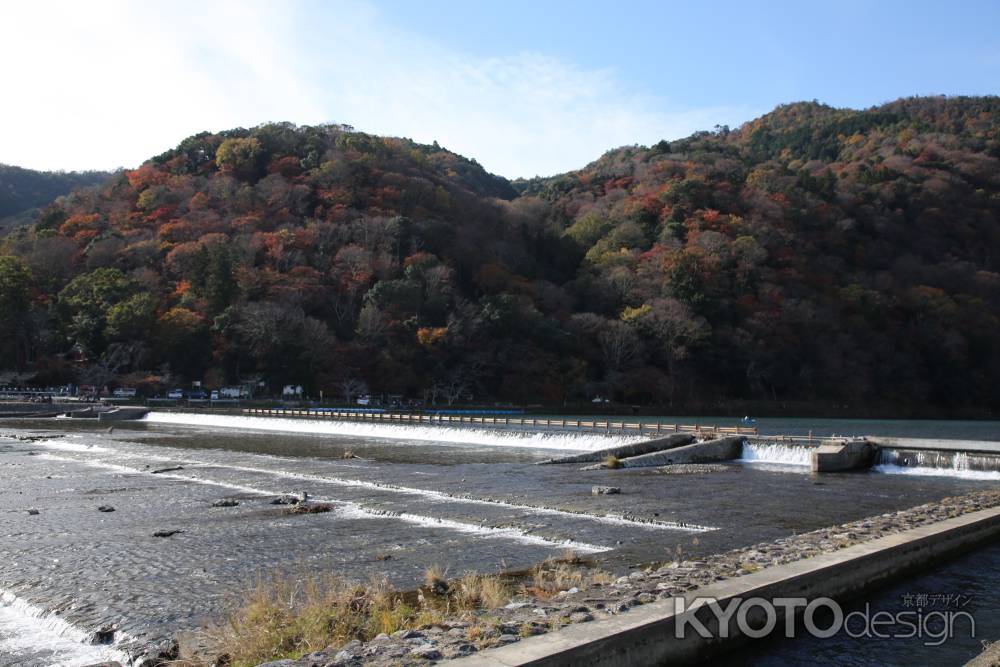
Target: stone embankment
[
  {"x": 527, "y": 615},
  {"x": 990, "y": 657}
]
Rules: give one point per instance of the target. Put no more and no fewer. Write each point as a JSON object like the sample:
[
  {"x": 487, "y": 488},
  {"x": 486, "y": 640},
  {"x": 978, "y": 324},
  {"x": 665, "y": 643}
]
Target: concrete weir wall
[
  {"x": 965, "y": 446},
  {"x": 124, "y": 413},
  {"x": 624, "y": 451},
  {"x": 720, "y": 449},
  {"x": 834, "y": 456},
  {"x": 645, "y": 635}
]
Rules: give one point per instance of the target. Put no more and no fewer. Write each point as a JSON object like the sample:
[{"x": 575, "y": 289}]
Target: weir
[
  {"x": 626, "y": 451},
  {"x": 630, "y": 442},
  {"x": 592, "y": 425},
  {"x": 971, "y": 465},
  {"x": 709, "y": 451},
  {"x": 22, "y": 624}
]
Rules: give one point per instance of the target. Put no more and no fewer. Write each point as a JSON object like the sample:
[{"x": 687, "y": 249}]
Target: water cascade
[
  {"x": 559, "y": 440},
  {"x": 774, "y": 452},
  {"x": 24, "y": 628},
  {"x": 943, "y": 463}
]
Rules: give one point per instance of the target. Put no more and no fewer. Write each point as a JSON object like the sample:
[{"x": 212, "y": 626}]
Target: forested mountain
[
  {"x": 22, "y": 190},
  {"x": 813, "y": 254}
]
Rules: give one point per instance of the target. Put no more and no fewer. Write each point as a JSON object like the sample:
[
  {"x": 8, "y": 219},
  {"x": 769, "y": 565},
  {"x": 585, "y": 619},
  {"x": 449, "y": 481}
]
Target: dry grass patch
[
  {"x": 560, "y": 574},
  {"x": 287, "y": 617},
  {"x": 481, "y": 591},
  {"x": 290, "y": 616}
]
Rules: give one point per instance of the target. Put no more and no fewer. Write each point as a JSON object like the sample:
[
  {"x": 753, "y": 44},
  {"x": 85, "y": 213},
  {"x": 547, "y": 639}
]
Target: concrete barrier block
[
  {"x": 720, "y": 449},
  {"x": 843, "y": 456},
  {"x": 623, "y": 451}
]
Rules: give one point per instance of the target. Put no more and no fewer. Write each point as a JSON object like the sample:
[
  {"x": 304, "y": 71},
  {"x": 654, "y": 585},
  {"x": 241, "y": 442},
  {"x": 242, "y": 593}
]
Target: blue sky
[
  {"x": 526, "y": 88},
  {"x": 759, "y": 54}
]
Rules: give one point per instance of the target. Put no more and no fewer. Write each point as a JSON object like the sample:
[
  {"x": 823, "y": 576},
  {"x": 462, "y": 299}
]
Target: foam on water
[
  {"x": 558, "y": 440},
  {"x": 355, "y": 510},
  {"x": 440, "y": 496},
  {"x": 464, "y": 498},
  {"x": 67, "y": 446},
  {"x": 959, "y": 464},
  {"x": 27, "y": 631},
  {"x": 769, "y": 452}
]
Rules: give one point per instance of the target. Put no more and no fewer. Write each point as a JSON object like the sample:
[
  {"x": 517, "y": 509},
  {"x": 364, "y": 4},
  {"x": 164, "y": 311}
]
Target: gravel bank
[{"x": 528, "y": 615}]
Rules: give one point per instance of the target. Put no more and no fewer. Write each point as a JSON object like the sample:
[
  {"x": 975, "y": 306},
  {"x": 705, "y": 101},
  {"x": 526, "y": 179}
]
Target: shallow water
[{"x": 404, "y": 505}]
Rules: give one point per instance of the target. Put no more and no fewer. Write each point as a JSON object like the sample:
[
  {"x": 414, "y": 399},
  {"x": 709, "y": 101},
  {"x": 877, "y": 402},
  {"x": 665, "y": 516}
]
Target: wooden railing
[
  {"x": 793, "y": 439},
  {"x": 606, "y": 426}
]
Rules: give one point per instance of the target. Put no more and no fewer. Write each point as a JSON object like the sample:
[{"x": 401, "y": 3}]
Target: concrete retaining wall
[
  {"x": 624, "y": 451},
  {"x": 720, "y": 449},
  {"x": 645, "y": 635}
]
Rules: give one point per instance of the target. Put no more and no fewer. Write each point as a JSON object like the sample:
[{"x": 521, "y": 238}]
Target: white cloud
[{"x": 108, "y": 84}]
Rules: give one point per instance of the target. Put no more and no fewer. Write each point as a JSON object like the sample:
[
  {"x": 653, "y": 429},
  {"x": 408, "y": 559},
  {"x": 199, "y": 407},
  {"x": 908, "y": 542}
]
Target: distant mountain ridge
[
  {"x": 834, "y": 256},
  {"x": 22, "y": 190}
]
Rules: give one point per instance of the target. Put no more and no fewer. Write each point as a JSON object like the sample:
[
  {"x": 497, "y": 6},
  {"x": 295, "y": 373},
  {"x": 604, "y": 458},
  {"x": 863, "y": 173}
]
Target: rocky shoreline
[{"x": 528, "y": 615}]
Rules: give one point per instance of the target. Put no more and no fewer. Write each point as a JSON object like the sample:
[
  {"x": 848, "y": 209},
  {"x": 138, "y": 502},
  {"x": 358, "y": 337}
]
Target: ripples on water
[
  {"x": 462, "y": 498},
  {"x": 972, "y": 576}
]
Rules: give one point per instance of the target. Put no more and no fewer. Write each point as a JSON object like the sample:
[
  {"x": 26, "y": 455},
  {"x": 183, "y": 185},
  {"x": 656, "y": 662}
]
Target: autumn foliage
[{"x": 813, "y": 254}]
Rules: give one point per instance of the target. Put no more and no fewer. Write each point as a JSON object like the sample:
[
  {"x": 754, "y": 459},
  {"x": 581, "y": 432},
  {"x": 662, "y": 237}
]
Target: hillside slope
[
  {"x": 833, "y": 253},
  {"x": 814, "y": 254}
]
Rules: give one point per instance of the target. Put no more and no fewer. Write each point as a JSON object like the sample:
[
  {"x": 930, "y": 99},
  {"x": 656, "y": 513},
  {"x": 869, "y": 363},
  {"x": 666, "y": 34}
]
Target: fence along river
[{"x": 623, "y": 427}]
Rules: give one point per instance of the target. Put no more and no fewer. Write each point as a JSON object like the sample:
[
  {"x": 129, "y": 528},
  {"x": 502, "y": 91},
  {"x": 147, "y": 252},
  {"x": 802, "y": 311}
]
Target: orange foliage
[
  {"x": 145, "y": 176},
  {"x": 81, "y": 226},
  {"x": 161, "y": 213},
  {"x": 430, "y": 336},
  {"x": 711, "y": 216},
  {"x": 177, "y": 231}
]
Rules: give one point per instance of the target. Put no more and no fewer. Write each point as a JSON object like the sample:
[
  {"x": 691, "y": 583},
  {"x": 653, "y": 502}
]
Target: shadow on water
[{"x": 966, "y": 584}]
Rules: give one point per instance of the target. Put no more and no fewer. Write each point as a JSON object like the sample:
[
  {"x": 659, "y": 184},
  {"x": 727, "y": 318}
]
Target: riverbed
[{"x": 462, "y": 499}]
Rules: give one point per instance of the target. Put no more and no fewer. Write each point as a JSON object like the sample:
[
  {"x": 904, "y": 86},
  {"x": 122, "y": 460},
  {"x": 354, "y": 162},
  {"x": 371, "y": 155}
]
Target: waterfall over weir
[
  {"x": 944, "y": 463},
  {"x": 560, "y": 440},
  {"x": 774, "y": 452},
  {"x": 25, "y": 628}
]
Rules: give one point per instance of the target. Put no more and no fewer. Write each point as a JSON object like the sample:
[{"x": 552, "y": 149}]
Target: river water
[
  {"x": 459, "y": 498},
  {"x": 966, "y": 585}
]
